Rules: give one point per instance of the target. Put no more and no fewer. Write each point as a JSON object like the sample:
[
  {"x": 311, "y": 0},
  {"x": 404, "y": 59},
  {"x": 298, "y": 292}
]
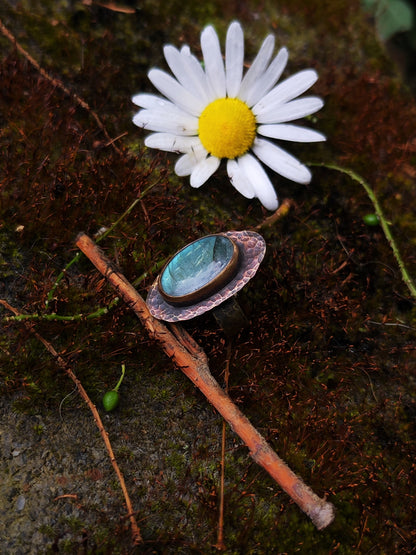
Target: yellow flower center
[{"x": 227, "y": 128}]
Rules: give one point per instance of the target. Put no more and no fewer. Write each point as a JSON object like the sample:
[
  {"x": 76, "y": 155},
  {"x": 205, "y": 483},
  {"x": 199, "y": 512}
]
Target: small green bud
[
  {"x": 111, "y": 400},
  {"x": 371, "y": 219}
]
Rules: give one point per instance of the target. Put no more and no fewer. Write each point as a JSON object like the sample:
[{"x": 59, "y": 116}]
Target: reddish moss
[{"x": 324, "y": 368}]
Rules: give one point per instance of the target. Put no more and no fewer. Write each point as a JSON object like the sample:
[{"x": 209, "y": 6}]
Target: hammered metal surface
[{"x": 252, "y": 248}]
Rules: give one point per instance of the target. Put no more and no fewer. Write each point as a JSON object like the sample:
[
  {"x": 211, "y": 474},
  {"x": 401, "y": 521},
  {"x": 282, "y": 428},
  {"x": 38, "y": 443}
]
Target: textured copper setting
[{"x": 252, "y": 248}]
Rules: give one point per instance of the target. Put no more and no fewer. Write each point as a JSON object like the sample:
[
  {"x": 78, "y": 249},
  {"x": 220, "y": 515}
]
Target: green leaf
[
  {"x": 368, "y": 4},
  {"x": 393, "y": 16}
]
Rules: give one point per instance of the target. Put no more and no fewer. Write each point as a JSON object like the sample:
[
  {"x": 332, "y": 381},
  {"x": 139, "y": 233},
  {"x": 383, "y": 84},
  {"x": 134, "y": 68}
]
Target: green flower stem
[
  {"x": 156, "y": 266},
  {"x": 57, "y": 317},
  {"x": 97, "y": 239},
  {"x": 95, "y": 314},
  {"x": 123, "y": 371},
  {"x": 383, "y": 222},
  {"x": 99, "y": 311},
  {"x": 60, "y": 276}
]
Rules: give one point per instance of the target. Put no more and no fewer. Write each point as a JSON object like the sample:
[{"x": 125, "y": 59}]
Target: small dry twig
[
  {"x": 220, "y": 545},
  {"x": 137, "y": 539},
  {"x": 112, "y": 6},
  {"x": 282, "y": 211},
  {"x": 67, "y": 496},
  {"x": 192, "y": 360}
]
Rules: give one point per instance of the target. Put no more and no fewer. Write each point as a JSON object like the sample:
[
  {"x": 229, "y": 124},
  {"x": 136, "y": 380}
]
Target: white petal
[
  {"x": 199, "y": 74},
  {"x": 186, "y": 163},
  {"x": 171, "y": 142},
  {"x": 269, "y": 78},
  {"x": 167, "y": 120},
  {"x": 239, "y": 180},
  {"x": 184, "y": 72},
  {"x": 290, "y": 111},
  {"x": 214, "y": 66},
  {"x": 257, "y": 68},
  {"x": 290, "y": 133},
  {"x": 173, "y": 90},
  {"x": 148, "y": 100},
  {"x": 263, "y": 188},
  {"x": 234, "y": 58},
  {"x": 281, "y": 161},
  {"x": 161, "y": 105},
  {"x": 203, "y": 171},
  {"x": 287, "y": 90}
]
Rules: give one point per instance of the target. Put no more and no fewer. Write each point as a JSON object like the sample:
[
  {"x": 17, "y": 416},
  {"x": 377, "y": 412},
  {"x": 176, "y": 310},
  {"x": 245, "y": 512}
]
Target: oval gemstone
[{"x": 198, "y": 269}]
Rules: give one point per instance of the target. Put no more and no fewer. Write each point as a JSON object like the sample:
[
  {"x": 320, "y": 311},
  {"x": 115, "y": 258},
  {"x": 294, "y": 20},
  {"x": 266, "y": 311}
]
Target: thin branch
[
  {"x": 110, "y": 6},
  {"x": 193, "y": 363},
  {"x": 282, "y": 211},
  {"x": 137, "y": 539},
  {"x": 383, "y": 221},
  {"x": 220, "y": 545}
]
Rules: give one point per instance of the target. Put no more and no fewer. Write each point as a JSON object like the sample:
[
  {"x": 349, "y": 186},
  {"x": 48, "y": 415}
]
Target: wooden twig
[
  {"x": 194, "y": 364},
  {"x": 110, "y": 6},
  {"x": 220, "y": 545},
  {"x": 137, "y": 539},
  {"x": 67, "y": 496},
  {"x": 282, "y": 211}
]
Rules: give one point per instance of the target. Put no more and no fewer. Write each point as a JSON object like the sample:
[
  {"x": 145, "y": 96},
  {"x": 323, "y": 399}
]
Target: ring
[{"x": 204, "y": 274}]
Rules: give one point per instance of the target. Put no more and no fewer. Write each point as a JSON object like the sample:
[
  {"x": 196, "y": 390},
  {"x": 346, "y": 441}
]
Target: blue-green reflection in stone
[{"x": 198, "y": 265}]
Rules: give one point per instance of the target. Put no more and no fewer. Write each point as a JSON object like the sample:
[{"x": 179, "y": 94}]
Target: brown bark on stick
[{"x": 192, "y": 360}]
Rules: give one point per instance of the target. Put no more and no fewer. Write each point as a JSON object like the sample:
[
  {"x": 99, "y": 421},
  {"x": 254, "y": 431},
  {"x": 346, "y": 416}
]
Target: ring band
[{"x": 251, "y": 249}]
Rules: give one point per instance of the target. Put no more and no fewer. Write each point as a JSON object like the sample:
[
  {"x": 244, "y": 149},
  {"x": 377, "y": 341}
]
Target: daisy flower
[{"x": 213, "y": 112}]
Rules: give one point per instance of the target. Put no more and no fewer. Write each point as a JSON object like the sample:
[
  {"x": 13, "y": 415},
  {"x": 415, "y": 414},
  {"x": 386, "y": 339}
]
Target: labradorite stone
[{"x": 196, "y": 265}]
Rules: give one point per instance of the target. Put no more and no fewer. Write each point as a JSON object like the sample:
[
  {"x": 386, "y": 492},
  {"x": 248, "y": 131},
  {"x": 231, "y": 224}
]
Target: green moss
[
  {"x": 11, "y": 258},
  {"x": 324, "y": 368}
]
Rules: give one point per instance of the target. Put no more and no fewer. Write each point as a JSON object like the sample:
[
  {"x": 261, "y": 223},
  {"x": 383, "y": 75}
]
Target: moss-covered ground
[{"x": 326, "y": 369}]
